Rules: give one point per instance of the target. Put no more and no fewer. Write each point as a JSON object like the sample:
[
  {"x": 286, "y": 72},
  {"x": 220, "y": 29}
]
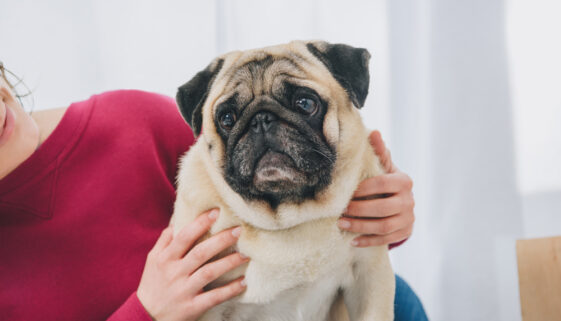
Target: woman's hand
[
  {"x": 382, "y": 206},
  {"x": 171, "y": 287}
]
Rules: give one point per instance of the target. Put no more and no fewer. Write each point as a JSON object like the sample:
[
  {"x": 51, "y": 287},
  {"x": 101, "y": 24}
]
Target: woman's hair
[
  {"x": 13, "y": 82},
  {"x": 3, "y": 74}
]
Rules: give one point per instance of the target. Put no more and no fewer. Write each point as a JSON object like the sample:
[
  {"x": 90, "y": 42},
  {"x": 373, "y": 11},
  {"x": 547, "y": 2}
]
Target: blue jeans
[{"x": 407, "y": 306}]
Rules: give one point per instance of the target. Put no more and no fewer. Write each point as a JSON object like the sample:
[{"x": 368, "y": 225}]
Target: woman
[{"x": 86, "y": 190}]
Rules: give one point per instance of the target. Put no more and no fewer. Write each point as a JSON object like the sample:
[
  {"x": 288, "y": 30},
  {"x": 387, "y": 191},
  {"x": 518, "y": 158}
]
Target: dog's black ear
[
  {"x": 192, "y": 95},
  {"x": 349, "y": 66}
]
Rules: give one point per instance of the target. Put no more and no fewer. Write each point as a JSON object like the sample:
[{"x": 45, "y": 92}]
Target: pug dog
[{"x": 281, "y": 148}]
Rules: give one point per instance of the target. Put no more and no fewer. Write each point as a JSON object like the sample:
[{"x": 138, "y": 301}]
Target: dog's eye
[
  {"x": 308, "y": 105},
  {"x": 227, "y": 120}
]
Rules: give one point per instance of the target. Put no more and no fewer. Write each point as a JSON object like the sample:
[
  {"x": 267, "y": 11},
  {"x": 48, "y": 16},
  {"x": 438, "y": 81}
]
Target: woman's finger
[
  {"x": 164, "y": 240},
  {"x": 383, "y": 184},
  {"x": 209, "y": 299},
  {"x": 381, "y": 151},
  {"x": 380, "y": 226},
  {"x": 208, "y": 249},
  {"x": 377, "y": 240},
  {"x": 381, "y": 207},
  {"x": 212, "y": 271},
  {"x": 187, "y": 237}
]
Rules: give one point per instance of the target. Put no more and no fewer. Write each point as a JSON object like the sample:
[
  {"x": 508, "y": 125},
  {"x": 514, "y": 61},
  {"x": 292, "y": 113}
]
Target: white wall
[{"x": 68, "y": 50}]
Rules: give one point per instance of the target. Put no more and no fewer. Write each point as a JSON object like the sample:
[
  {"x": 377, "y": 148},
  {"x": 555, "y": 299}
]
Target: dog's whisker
[{"x": 326, "y": 156}]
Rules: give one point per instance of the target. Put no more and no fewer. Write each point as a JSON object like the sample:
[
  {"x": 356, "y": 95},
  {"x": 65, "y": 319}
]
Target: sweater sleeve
[
  {"x": 393, "y": 245},
  {"x": 131, "y": 310}
]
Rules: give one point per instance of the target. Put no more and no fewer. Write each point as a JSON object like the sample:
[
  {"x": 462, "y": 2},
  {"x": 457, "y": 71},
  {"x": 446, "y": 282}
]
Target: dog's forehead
[
  {"x": 264, "y": 71},
  {"x": 263, "y": 74}
]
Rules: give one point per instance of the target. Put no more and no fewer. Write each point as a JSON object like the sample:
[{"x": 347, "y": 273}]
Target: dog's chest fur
[
  {"x": 309, "y": 302},
  {"x": 294, "y": 274}
]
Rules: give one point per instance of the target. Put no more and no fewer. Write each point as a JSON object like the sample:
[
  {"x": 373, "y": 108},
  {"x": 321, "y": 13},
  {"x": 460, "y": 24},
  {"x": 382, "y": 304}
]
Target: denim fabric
[{"x": 407, "y": 306}]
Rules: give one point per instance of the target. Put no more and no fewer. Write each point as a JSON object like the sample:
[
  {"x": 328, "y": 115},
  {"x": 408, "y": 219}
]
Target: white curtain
[
  {"x": 475, "y": 118},
  {"x": 455, "y": 130},
  {"x": 466, "y": 94}
]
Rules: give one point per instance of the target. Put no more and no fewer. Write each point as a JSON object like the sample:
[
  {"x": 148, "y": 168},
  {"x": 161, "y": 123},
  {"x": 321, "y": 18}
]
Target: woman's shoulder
[
  {"x": 136, "y": 117},
  {"x": 128, "y": 104},
  {"x": 131, "y": 109}
]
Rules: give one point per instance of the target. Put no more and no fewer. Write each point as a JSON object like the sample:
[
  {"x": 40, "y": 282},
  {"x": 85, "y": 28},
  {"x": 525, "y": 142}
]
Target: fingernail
[
  {"x": 243, "y": 283},
  {"x": 243, "y": 256},
  {"x": 213, "y": 214},
  {"x": 237, "y": 231},
  {"x": 354, "y": 242},
  {"x": 344, "y": 224}
]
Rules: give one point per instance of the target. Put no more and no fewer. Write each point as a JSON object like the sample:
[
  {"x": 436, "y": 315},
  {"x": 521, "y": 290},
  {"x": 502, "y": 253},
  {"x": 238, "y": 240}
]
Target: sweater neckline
[{"x": 51, "y": 152}]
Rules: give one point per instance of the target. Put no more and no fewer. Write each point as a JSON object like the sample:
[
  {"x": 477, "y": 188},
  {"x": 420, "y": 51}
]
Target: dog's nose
[{"x": 262, "y": 121}]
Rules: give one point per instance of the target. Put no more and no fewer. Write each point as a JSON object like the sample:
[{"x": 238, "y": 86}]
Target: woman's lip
[{"x": 7, "y": 127}]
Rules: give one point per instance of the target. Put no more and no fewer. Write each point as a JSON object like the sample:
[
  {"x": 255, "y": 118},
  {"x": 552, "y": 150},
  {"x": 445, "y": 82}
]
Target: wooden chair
[{"x": 539, "y": 276}]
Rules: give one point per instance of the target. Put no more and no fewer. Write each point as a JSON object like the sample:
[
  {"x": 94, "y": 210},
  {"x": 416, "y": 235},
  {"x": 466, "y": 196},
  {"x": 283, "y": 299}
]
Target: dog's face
[{"x": 270, "y": 116}]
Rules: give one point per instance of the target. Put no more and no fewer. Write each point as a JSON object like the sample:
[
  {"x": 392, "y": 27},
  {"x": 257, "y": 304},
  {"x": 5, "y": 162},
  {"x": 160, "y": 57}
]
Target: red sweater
[{"x": 78, "y": 217}]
